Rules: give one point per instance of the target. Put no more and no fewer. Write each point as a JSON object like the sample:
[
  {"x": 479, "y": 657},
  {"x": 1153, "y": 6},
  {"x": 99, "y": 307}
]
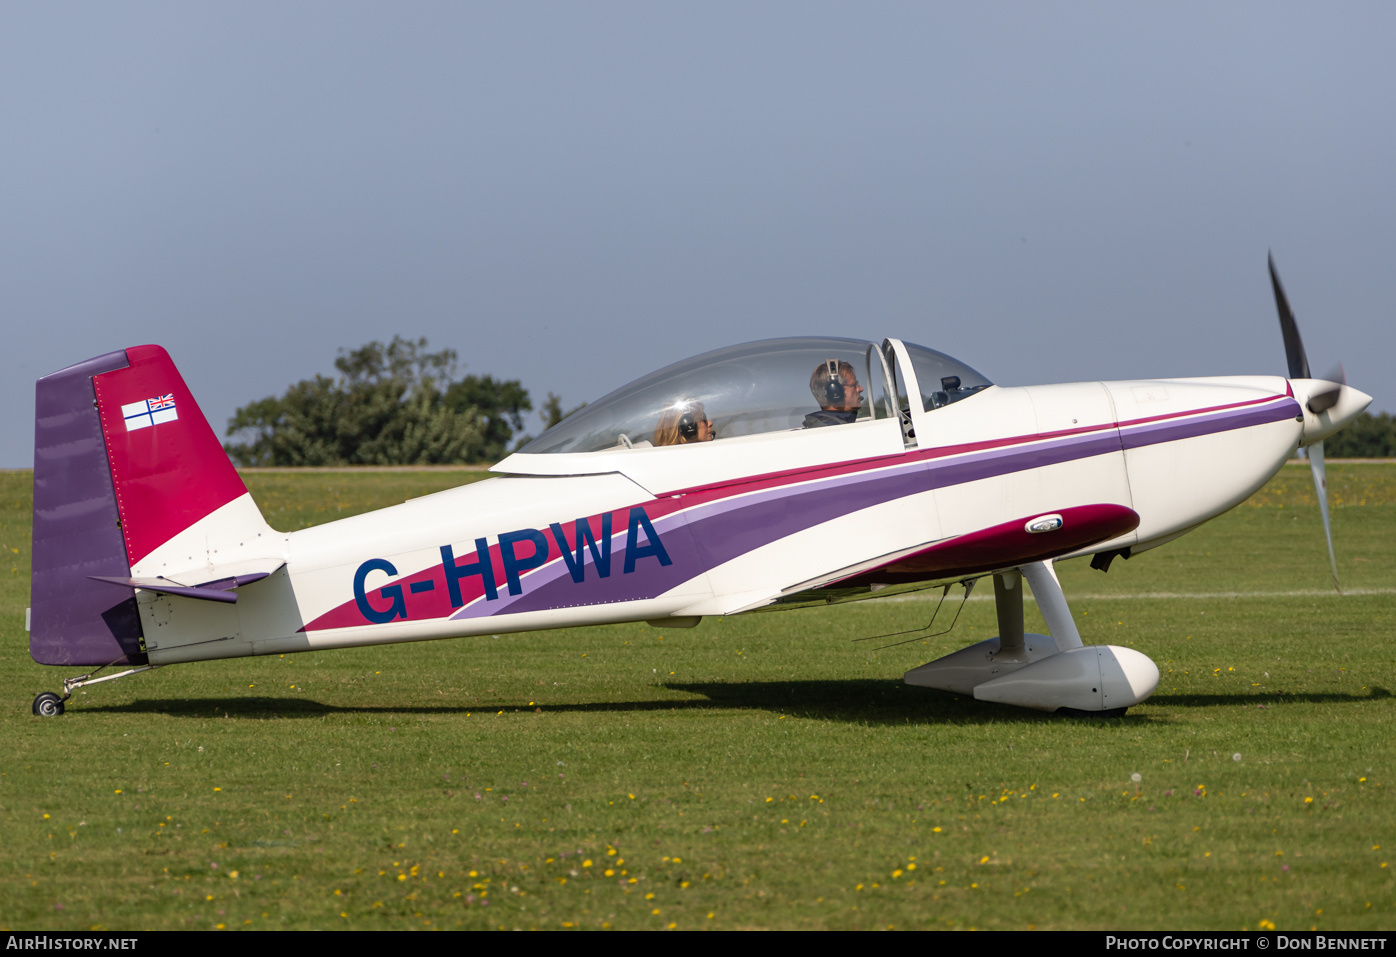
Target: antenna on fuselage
[{"x": 967, "y": 585}]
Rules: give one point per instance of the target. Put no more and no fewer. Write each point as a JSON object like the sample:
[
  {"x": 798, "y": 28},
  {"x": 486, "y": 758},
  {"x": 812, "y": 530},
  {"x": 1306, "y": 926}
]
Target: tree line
[
  {"x": 400, "y": 404},
  {"x": 1366, "y": 437},
  {"x": 391, "y": 404}
]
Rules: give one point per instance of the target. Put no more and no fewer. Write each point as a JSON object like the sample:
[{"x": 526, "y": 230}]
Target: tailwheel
[{"x": 48, "y": 705}]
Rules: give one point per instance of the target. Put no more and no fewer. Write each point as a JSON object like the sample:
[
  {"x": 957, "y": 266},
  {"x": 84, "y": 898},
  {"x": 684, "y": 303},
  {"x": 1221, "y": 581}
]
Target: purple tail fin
[{"x": 77, "y": 529}]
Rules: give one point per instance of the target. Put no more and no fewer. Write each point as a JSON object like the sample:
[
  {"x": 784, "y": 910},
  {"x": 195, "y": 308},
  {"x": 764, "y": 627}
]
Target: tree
[
  {"x": 1366, "y": 437},
  {"x": 394, "y": 404},
  {"x": 501, "y": 405},
  {"x": 551, "y": 413}
]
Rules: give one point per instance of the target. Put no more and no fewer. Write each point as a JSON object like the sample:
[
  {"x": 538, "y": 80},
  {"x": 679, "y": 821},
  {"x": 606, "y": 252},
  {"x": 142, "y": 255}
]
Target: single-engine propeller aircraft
[{"x": 775, "y": 474}]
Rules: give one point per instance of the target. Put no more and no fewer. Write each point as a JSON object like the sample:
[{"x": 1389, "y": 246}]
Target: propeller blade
[
  {"x": 1321, "y": 487},
  {"x": 1294, "y": 346},
  {"x": 1323, "y": 401}
]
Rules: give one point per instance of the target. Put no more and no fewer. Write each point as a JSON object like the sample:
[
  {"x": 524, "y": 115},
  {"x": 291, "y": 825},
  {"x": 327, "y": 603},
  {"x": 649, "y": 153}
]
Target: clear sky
[{"x": 573, "y": 194}]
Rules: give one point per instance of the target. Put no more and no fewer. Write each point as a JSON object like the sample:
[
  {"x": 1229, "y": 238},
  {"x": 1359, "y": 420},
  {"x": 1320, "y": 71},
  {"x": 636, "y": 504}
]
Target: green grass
[{"x": 753, "y": 772}]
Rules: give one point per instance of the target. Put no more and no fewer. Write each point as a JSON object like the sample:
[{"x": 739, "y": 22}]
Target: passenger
[
  {"x": 836, "y": 389},
  {"x": 682, "y": 423}
]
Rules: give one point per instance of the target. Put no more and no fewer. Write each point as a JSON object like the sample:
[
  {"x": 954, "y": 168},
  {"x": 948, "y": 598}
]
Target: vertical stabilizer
[
  {"x": 130, "y": 482},
  {"x": 181, "y": 501}
]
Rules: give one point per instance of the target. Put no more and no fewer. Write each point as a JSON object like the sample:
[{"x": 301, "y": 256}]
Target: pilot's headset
[
  {"x": 834, "y": 389},
  {"x": 688, "y": 423}
]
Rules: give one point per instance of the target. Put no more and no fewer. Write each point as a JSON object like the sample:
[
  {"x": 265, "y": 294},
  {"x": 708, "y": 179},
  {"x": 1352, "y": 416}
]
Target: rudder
[{"x": 77, "y": 529}]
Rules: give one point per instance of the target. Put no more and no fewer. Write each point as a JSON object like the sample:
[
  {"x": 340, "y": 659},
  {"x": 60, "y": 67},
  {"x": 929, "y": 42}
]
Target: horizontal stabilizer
[{"x": 222, "y": 589}]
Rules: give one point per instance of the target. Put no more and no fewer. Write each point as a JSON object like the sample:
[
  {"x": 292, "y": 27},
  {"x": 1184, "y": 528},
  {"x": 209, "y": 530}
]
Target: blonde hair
[{"x": 666, "y": 432}]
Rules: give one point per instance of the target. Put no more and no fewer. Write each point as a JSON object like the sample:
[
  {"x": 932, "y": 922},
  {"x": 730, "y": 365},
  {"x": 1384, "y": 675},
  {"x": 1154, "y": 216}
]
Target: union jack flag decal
[{"x": 149, "y": 412}]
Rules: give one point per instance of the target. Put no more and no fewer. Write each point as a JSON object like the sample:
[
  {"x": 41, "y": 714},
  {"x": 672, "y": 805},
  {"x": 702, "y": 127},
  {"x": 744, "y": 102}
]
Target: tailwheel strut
[{"x": 49, "y": 705}]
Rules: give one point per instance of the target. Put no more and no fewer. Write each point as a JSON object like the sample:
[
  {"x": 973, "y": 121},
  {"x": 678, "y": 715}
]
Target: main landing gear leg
[
  {"x": 1046, "y": 673},
  {"x": 1046, "y": 588},
  {"x": 50, "y": 705}
]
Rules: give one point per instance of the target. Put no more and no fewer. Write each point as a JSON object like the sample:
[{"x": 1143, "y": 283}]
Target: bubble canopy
[{"x": 746, "y": 389}]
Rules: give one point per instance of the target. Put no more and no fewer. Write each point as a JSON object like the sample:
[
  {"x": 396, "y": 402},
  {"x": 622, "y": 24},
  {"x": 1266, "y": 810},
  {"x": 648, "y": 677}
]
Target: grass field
[{"x": 759, "y": 771}]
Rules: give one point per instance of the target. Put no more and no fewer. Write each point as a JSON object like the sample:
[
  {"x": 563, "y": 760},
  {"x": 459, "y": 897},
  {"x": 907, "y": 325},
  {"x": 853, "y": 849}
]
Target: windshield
[
  {"x": 767, "y": 386},
  {"x": 943, "y": 379}
]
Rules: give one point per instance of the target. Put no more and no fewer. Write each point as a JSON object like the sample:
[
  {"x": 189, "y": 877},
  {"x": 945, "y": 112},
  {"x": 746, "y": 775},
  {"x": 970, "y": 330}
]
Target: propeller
[
  {"x": 1294, "y": 346},
  {"x": 1325, "y": 400},
  {"x": 1318, "y": 402}
]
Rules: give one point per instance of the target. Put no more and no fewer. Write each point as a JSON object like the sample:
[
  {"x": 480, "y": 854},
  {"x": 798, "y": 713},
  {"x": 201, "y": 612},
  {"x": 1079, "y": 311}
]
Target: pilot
[
  {"x": 682, "y": 423},
  {"x": 836, "y": 389}
]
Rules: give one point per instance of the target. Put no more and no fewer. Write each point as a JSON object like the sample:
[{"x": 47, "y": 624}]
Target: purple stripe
[
  {"x": 709, "y": 535},
  {"x": 728, "y": 534},
  {"x": 982, "y": 465},
  {"x": 721, "y": 531},
  {"x": 1154, "y": 433},
  {"x": 649, "y": 578},
  {"x": 713, "y": 535},
  {"x": 556, "y": 573}
]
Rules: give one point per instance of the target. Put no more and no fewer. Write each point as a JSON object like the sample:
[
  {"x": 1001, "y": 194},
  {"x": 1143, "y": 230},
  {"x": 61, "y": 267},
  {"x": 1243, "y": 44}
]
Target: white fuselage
[{"x": 726, "y": 526}]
